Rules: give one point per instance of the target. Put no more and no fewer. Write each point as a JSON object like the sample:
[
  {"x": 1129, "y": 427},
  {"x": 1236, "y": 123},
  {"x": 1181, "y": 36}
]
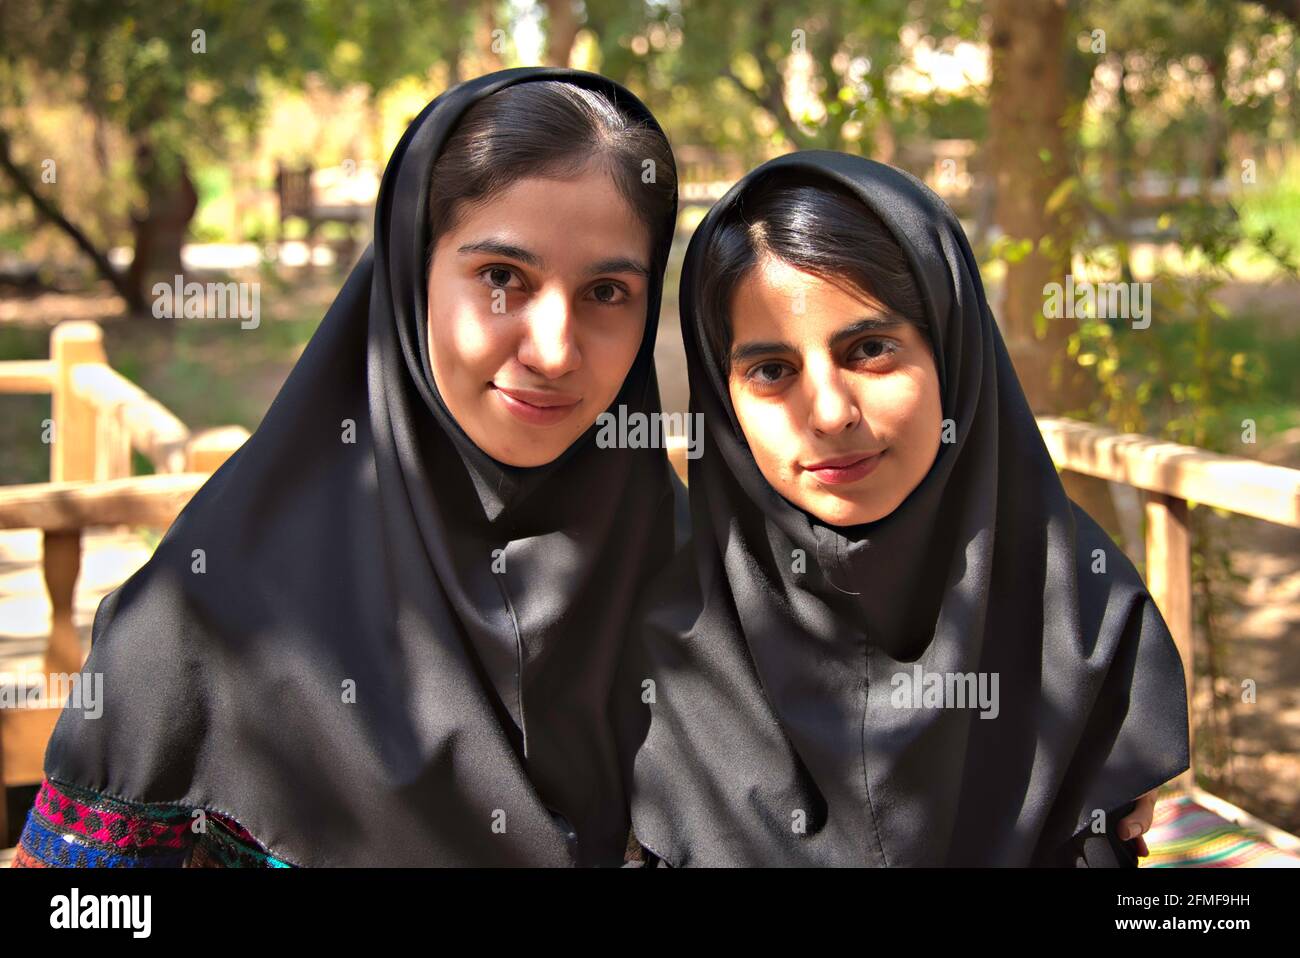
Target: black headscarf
[
  {"x": 479, "y": 733},
  {"x": 772, "y": 687}
]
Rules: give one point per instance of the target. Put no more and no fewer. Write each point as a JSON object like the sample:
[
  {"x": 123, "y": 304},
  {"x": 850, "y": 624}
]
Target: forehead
[
  {"x": 777, "y": 297},
  {"x": 577, "y": 217}
]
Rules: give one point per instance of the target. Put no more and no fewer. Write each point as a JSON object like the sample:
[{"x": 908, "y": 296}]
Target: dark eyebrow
[
  {"x": 619, "y": 264},
  {"x": 751, "y": 350},
  {"x": 499, "y": 248},
  {"x": 865, "y": 325}
]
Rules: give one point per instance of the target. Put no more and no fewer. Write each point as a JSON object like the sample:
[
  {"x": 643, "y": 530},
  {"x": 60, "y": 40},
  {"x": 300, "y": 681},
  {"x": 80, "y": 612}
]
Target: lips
[
  {"x": 844, "y": 469},
  {"x": 535, "y": 406}
]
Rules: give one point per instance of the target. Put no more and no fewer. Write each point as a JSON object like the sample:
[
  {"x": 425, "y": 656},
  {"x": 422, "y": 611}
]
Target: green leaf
[{"x": 1061, "y": 195}]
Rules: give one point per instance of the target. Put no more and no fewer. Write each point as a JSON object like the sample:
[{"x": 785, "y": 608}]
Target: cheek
[
  {"x": 608, "y": 353},
  {"x": 907, "y": 410},
  {"x": 771, "y": 432},
  {"x": 903, "y": 407},
  {"x": 465, "y": 336}
]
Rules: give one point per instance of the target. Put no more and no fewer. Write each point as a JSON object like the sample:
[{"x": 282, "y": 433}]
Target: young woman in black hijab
[
  {"x": 384, "y": 632},
  {"x": 894, "y": 640}
]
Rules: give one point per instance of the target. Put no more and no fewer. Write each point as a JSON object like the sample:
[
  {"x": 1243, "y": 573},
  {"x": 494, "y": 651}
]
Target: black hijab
[
  {"x": 772, "y": 688},
  {"x": 479, "y": 733}
]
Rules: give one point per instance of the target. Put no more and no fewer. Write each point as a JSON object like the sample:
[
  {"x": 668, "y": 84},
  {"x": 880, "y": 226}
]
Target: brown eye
[
  {"x": 874, "y": 349},
  {"x": 501, "y": 277},
  {"x": 766, "y": 374},
  {"x": 608, "y": 294}
]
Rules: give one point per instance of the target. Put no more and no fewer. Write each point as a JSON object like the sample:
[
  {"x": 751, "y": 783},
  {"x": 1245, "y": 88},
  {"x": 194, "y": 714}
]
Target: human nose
[
  {"x": 833, "y": 408},
  {"x": 549, "y": 346}
]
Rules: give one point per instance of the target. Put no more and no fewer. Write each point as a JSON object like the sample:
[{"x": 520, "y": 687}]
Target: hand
[{"x": 1136, "y": 822}]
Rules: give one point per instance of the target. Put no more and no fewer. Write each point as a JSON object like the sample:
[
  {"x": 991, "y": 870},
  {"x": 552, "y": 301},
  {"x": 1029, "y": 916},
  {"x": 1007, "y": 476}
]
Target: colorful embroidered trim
[
  {"x": 72, "y": 827},
  {"x": 107, "y": 822},
  {"x": 227, "y": 844},
  {"x": 58, "y": 849}
]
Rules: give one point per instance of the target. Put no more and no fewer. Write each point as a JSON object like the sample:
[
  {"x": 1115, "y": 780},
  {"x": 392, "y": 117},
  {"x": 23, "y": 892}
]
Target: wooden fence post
[
  {"x": 72, "y": 455},
  {"x": 1169, "y": 580},
  {"x": 62, "y": 564},
  {"x": 113, "y": 444}
]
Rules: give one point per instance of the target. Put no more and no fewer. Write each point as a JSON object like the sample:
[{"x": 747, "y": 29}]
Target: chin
[
  {"x": 523, "y": 459},
  {"x": 526, "y": 455},
  {"x": 841, "y": 512}
]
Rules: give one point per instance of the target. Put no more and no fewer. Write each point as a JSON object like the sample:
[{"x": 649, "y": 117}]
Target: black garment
[
  {"x": 772, "y": 687},
  {"x": 480, "y": 696},
  {"x": 1085, "y": 850},
  {"x": 1104, "y": 850}
]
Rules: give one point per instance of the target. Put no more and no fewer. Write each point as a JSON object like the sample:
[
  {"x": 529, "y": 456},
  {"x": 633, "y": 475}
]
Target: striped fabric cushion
[{"x": 1186, "y": 834}]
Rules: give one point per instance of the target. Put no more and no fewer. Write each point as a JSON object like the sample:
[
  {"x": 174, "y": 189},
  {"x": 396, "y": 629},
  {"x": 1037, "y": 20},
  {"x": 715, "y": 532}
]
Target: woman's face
[
  {"x": 839, "y": 400},
  {"x": 537, "y": 306}
]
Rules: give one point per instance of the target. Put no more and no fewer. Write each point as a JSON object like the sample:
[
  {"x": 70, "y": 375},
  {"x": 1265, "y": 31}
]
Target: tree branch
[
  {"x": 779, "y": 113},
  {"x": 50, "y": 212}
]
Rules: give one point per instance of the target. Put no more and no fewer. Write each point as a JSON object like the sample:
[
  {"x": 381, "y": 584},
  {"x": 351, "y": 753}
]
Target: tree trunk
[
  {"x": 561, "y": 31},
  {"x": 1124, "y": 167},
  {"x": 486, "y": 30},
  {"x": 1029, "y": 147},
  {"x": 161, "y": 226},
  {"x": 1216, "y": 136}
]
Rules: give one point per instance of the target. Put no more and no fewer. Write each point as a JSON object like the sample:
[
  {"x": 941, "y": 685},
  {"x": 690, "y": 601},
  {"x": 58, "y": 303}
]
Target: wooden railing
[
  {"x": 1170, "y": 477},
  {"x": 98, "y": 418}
]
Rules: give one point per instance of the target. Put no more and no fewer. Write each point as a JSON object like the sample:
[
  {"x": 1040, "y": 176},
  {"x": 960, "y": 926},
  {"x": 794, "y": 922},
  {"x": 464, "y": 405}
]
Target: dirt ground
[{"x": 1262, "y": 644}]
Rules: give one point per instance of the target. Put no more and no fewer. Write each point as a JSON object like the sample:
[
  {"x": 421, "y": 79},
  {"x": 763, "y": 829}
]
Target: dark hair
[
  {"x": 815, "y": 225},
  {"x": 551, "y": 128}
]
